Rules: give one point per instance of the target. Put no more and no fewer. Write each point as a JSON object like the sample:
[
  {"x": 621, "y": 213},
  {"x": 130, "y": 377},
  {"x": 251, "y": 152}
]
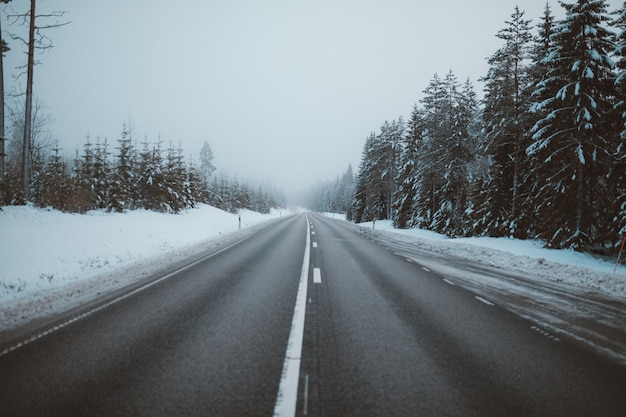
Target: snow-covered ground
[
  {"x": 51, "y": 261},
  {"x": 526, "y": 256}
]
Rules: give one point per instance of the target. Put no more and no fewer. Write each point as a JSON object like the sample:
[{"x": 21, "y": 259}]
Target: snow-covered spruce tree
[
  {"x": 225, "y": 200},
  {"x": 448, "y": 150},
  {"x": 123, "y": 193},
  {"x": 37, "y": 180},
  {"x": 57, "y": 186},
  {"x": 572, "y": 143},
  {"x": 197, "y": 187},
  {"x": 91, "y": 176},
  {"x": 375, "y": 185},
  {"x": 430, "y": 165},
  {"x": 344, "y": 191},
  {"x": 82, "y": 179},
  {"x": 407, "y": 178},
  {"x": 151, "y": 183},
  {"x": 206, "y": 168},
  {"x": 506, "y": 125},
  {"x": 618, "y": 174},
  {"x": 176, "y": 195},
  {"x": 541, "y": 90},
  {"x": 359, "y": 209},
  {"x": 100, "y": 182},
  {"x": 386, "y": 156}
]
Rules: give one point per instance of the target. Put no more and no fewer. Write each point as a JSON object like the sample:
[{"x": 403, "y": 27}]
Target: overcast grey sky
[{"x": 283, "y": 90}]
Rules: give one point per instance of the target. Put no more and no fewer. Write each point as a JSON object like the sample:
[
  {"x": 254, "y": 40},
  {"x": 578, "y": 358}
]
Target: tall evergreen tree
[
  {"x": 360, "y": 211},
  {"x": 618, "y": 174},
  {"x": 506, "y": 125},
  {"x": 123, "y": 193},
  {"x": 206, "y": 162},
  {"x": 572, "y": 143},
  {"x": 447, "y": 153},
  {"x": 407, "y": 179}
]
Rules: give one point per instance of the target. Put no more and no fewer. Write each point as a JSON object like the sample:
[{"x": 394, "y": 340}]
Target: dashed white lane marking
[
  {"x": 425, "y": 269},
  {"x": 287, "y": 396},
  {"x": 313, "y": 233},
  {"x": 447, "y": 281},
  {"x": 315, "y": 244},
  {"x": 317, "y": 276},
  {"x": 482, "y": 300},
  {"x": 409, "y": 260},
  {"x": 545, "y": 333},
  {"x": 305, "y": 406}
]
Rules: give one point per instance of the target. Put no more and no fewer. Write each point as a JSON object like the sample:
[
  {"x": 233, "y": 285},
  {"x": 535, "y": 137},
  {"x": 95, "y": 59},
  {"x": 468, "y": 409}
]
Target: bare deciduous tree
[{"x": 36, "y": 40}]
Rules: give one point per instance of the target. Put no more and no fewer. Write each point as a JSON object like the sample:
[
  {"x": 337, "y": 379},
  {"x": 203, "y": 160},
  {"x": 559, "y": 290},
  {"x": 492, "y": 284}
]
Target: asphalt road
[{"x": 383, "y": 336}]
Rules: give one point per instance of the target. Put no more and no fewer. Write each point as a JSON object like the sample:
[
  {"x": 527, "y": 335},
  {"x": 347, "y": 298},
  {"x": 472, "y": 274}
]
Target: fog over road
[{"x": 383, "y": 335}]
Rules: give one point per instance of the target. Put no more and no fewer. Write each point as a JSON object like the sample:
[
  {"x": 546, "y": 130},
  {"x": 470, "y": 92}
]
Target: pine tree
[
  {"x": 206, "y": 162},
  {"x": 174, "y": 179},
  {"x": 572, "y": 143},
  {"x": 57, "y": 190},
  {"x": 359, "y": 209},
  {"x": 151, "y": 183},
  {"x": 407, "y": 179},
  {"x": 542, "y": 89},
  {"x": 618, "y": 174},
  {"x": 506, "y": 126},
  {"x": 85, "y": 198},
  {"x": 123, "y": 193},
  {"x": 101, "y": 174},
  {"x": 446, "y": 156}
]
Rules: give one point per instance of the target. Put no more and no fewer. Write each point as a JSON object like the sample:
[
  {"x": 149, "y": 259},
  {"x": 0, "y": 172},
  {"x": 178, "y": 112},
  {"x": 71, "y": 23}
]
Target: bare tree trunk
[
  {"x": 2, "y": 139},
  {"x": 29, "y": 105}
]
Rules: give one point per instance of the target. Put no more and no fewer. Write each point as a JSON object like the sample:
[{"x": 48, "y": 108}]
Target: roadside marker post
[{"x": 619, "y": 256}]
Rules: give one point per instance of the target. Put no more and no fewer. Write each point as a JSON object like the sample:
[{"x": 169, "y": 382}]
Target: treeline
[
  {"x": 129, "y": 176},
  {"x": 542, "y": 156},
  {"x": 333, "y": 196}
]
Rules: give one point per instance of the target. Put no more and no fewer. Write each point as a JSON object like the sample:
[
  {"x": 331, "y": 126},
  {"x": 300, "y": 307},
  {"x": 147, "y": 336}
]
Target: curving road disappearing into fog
[{"x": 306, "y": 317}]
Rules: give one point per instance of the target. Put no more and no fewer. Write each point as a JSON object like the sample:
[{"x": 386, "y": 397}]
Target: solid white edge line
[
  {"x": 113, "y": 301},
  {"x": 288, "y": 389},
  {"x": 317, "y": 276}
]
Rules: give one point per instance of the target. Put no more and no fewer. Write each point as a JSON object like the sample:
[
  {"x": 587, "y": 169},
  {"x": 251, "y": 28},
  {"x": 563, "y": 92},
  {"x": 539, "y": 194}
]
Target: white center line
[
  {"x": 288, "y": 389},
  {"x": 482, "y": 300},
  {"x": 317, "y": 276}
]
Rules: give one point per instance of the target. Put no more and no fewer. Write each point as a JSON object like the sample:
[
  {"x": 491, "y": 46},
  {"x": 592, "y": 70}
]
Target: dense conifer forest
[
  {"x": 542, "y": 155},
  {"x": 128, "y": 175}
]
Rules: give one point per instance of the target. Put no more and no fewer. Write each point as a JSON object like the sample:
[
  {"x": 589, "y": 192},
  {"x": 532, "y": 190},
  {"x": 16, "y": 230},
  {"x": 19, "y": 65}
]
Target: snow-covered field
[
  {"x": 50, "y": 261},
  {"x": 526, "y": 256}
]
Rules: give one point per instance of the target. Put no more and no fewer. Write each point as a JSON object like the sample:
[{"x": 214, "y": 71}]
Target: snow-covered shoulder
[
  {"x": 50, "y": 259},
  {"x": 526, "y": 256}
]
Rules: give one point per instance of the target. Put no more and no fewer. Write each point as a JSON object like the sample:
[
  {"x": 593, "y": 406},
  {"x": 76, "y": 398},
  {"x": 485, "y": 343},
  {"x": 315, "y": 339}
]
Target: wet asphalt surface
[{"x": 383, "y": 336}]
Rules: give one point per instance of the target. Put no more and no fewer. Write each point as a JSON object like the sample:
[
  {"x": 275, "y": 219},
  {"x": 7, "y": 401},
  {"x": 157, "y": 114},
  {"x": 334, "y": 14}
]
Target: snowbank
[
  {"x": 50, "y": 260},
  {"x": 527, "y": 256}
]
